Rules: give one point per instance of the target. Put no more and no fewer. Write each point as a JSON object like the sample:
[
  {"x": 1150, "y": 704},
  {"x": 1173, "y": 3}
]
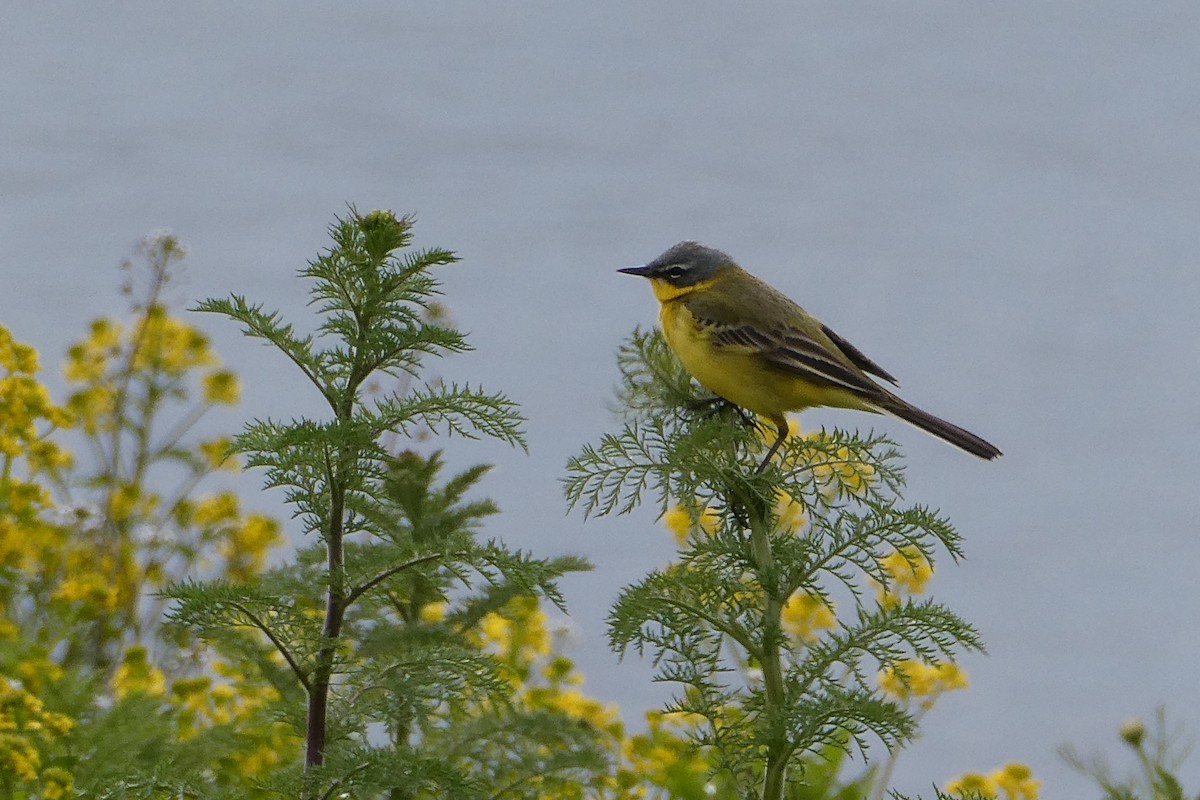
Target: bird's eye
[{"x": 676, "y": 272}]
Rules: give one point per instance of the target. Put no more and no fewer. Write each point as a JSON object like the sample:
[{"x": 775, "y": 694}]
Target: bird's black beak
[{"x": 642, "y": 271}]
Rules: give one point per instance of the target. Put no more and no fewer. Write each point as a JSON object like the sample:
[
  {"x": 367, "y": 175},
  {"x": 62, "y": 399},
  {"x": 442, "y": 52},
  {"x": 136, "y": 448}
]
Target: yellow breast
[{"x": 739, "y": 374}]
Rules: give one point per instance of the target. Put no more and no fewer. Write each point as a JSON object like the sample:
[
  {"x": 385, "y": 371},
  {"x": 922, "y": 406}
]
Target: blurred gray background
[{"x": 997, "y": 202}]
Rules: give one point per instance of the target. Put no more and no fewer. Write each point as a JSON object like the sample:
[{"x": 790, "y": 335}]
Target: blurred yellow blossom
[
  {"x": 663, "y": 757},
  {"x": 93, "y": 407},
  {"x": 246, "y": 544},
  {"x": 215, "y": 509},
  {"x": 680, "y": 522},
  {"x": 136, "y": 674},
  {"x": 37, "y": 673},
  {"x": 496, "y": 630},
  {"x": 919, "y": 679},
  {"x": 57, "y": 784},
  {"x": 24, "y": 725},
  {"x": 789, "y": 512},
  {"x": 855, "y": 474},
  {"x": 170, "y": 345},
  {"x": 908, "y": 570},
  {"x": 1013, "y": 781},
  {"x": 94, "y": 590},
  {"x": 1016, "y": 781},
  {"x": 837, "y": 471},
  {"x": 18, "y": 756},
  {"x": 222, "y": 388},
  {"x": 433, "y": 612},
  {"x": 805, "y": 614},
  {"x": 216, "y": 454},
  {"x": 969, "y": 782}
]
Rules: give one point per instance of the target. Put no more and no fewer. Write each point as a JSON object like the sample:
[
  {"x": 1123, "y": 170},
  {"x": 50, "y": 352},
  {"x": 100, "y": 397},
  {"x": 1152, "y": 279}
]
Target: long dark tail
[{"x": 946, "y": 431}]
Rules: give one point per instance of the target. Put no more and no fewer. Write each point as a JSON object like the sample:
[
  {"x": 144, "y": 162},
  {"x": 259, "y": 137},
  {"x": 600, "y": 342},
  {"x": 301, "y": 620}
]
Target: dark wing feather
[
  {"x": 858, "y": 357},
  {"x": 808, "y": 354}
]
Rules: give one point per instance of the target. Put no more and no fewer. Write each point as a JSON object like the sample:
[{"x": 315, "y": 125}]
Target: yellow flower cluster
[
  {"x": 136, "y": 675},
  {"x": 522, "y": 639},
  {"x": 25, "y": 726},
  {"x": 167, "y": 344},
  {"x": 789, "y": 512},
  {"x": 160, "y": 346},
  {"x": 915, "y": 679},
  {"x": 432, "y": 613},
  {"x": 57, "y": 784},
  {"x": 27, "y": 415},
  {"x": 90, "y": 589},
  {"x": 682, "y": 522},
  {"x": 128, "y": 501},
  {"x": 805, "y": 614},
  {"x": 836, "y": 473},
  {"x": 202, "y": 702},
  {"x": 222, "y": 388},
  {"x": 215, "y": 454},
  {"x": 908, "y": 571},
  {"x": 663, "y": 757},
  {"x": 1014, "y": 780},
  {"x": 520, "y": 636},
  {"x": 842, "y": 473}
]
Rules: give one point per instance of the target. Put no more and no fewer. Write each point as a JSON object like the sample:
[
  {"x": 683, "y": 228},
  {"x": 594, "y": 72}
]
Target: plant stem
[
  {"x": 772, "y": 662},
  {"x": 335, "y": 609}
]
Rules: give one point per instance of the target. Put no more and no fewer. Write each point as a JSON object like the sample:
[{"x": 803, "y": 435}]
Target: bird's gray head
[{"x": 685, "y": 264}]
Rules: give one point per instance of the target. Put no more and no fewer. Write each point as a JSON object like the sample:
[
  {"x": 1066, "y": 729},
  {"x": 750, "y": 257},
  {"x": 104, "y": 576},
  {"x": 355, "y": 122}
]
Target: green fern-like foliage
[
  {"x": 388, "y": 701},
  {"x": 713, "y": 622}
]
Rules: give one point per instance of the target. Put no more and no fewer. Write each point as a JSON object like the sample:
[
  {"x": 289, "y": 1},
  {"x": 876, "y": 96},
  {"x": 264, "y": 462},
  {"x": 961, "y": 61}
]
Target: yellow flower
[
  {"x": 215, "y": 453},
  {"x": 24, "y": 359},
  {"x": 532, "y": 635},
  {"x": 169, "y": 345},
  {"x": 57, "y": 724},
  {"x": 122, "y": 502},
  {"x": 81, "y": 366},
  {"x": 18, "y": 757},
  {"x": 37, "y": 673},
  {"x": 950, "y": 676},
  {"x": 94, "y": 590},
  {"x": 1016, "y": 781},
  {"x": 104, "y": 335},
  {"x": 216, "y": 509},
  {"x": 137, "y": 675},
  {"x": 680, "y": 523},
  {"x": 222, "y": 388},
  {"x": 804, "y": 614},
  {"x": 854, "y": 474},
  {"x": 93, "y": 407},
  {"x": 57, "y": 784},
  {"x": 247, "y": 545},
  {"x": 789, "y": 512},
  {"x": 919, "y": 679},
  {"x": 46, "y": 456},
  {"x": 433, "y": 612},
  {"x": 496, "y": 630},
  {"x": 908, "y": 571},
  {"x": 975, "y": 782}
]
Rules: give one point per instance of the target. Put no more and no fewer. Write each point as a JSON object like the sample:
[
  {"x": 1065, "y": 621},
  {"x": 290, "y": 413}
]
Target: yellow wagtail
[{"x": 757, "y": 349}]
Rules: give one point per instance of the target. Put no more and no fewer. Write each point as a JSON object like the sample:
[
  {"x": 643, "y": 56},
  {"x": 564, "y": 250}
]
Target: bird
[{"x": 754, "y": 347}]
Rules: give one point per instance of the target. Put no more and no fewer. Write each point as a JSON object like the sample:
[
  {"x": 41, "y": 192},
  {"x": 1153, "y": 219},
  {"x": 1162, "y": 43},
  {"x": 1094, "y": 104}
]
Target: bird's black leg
[
  {"x": 712, "y": 406},
  {"x": 782, "y": 426},
  {"x": 709, "y": 405}
]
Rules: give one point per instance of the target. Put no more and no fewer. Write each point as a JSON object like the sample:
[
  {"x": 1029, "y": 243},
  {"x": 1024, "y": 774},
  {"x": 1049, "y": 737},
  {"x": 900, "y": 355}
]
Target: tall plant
[
  {"x": 391, "y": 536},
  {"x": 820, "y": 528}
]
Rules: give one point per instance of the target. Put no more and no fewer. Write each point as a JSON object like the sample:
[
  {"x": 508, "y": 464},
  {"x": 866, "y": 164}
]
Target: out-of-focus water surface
[{"x": 999, "y": 203}]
